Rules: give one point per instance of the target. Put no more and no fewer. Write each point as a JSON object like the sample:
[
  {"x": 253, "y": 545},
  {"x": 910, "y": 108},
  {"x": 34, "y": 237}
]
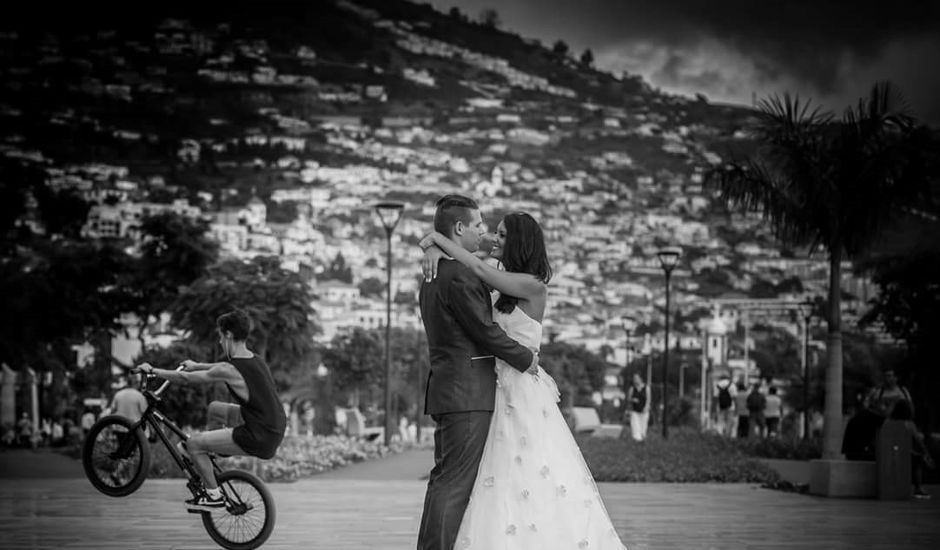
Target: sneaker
[
  {"x": 206, "y": 502},
  {"x": 922, "y": 494}
]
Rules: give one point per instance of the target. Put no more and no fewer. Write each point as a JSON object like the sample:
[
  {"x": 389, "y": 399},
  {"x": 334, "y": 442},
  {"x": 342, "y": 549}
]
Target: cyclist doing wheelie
[{"x": 254, "y": 424}]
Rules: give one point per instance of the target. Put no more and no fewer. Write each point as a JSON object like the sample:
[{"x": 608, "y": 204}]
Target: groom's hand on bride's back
[{"x": 534, "y": 366}]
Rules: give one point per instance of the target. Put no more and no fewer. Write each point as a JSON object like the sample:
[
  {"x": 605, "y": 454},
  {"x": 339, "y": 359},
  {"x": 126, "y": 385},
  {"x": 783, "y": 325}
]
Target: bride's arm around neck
[{"x": 521, "y": 285}]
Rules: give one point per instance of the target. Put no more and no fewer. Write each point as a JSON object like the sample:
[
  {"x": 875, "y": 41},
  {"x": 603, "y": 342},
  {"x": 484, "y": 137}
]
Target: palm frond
[
  {"x": 753, "y": 186},
  {"x": 783, "y": 118}
]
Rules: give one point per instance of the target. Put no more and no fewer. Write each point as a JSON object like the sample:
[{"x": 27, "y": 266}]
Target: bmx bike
[{"x": 116, "y": 457}]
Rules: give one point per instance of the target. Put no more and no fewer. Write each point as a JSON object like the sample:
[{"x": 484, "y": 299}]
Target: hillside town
[{"x": 308, "y": 142}]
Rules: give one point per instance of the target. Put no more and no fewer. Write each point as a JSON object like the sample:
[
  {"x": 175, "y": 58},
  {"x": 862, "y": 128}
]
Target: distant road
[{"x": 42, "y": 463}]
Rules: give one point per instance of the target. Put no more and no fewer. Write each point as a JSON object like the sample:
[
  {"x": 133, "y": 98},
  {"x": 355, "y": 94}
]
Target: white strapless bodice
[{"x": 520, "y": 327}]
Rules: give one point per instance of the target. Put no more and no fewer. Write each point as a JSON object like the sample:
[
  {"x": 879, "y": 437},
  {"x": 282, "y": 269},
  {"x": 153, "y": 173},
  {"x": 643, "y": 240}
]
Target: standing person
[
  {"x": 740, "y": 408},
  {"x": 24, "y": 431},
  {"x": 725, "y": 405},
  {"x": 68, "y": 427},
  {"x": 254, "y": 425},
  {"x": 88, "y": 420},
  {"x": 773, "y": 410},
  {"x": 638, "y": 399},
  {"x": 57, "y": 433},
  {"x": 881, "y": 400},
  {"x": 130, "y": 403},
  {"x": 463, "y": 344},
  {"x": 533, "y": 489},
  {"x": 920, "y": 454},
  {"x": 45, "y": 431},
  {"x": 755, "y": 410}
]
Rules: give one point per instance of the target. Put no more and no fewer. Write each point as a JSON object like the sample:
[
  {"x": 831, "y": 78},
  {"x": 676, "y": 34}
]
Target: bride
[{"x": 533, "y": 488}]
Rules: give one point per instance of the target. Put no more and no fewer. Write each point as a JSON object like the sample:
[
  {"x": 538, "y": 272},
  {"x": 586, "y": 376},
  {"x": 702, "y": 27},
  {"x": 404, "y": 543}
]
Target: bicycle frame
[{"x": 156, "y": 419}]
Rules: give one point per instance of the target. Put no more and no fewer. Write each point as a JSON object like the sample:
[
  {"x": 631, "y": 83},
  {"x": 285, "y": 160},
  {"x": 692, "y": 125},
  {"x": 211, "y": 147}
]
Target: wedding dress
[{"x": 533, "y": 489}]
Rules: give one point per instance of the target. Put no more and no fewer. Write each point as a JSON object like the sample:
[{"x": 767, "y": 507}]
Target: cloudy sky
[{"x": 829, "y": 50}]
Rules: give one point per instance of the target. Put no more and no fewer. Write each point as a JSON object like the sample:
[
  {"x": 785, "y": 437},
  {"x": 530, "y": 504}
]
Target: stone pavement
[
  {"x": 342, "y": 514},
  {"x": 377, "y": 505}
]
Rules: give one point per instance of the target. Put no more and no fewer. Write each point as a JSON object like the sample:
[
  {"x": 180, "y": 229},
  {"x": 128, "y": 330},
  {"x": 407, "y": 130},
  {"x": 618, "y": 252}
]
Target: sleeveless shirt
[{"x": 264, "y": 417}]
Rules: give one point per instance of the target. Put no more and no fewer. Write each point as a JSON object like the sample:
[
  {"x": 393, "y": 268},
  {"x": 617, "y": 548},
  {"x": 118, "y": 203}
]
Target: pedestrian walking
[
  {"x": 773, "y": 410},
  {"x": 740, "y": 409},
  {"x": 725, "y": 406},
  {"x": 755, "y": 410},
  {"x": 638, "y": 399}
]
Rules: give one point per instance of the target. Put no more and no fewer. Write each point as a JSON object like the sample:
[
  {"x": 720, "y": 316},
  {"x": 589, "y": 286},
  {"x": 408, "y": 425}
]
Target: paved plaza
[{"x": 355, "y": 509}]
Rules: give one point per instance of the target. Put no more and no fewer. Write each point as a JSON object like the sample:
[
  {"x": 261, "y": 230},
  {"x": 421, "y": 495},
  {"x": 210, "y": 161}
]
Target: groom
[{"x": 461, "y": 390}]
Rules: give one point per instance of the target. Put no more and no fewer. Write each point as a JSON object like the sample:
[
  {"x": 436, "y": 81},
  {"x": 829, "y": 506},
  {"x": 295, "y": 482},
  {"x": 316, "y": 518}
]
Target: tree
[
  {"x": 337, "y": 270},
  {"x": 577, "y": 371},
  {"x": 560, "y": 48},
  {"x": 830, "y": 184},
  {"x": 907, "y": 306},
  {"x": 489, "y": 18},
  {"x": 63, "y": 213},
  {"x": 355, "y": 361},
  {"x": 371, "y": 286},
  {"x": 410, "y": 368},
  {"x": 278, "y": 302},
  {"x": 175, "y": 252},
  {"x": 777, "y": 353},
  {"x": 59, "y": 293},
  {"x": 587, "y": 58}
]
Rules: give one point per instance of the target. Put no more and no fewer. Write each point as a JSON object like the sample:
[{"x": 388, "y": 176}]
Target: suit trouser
[{"x": 458, "y": 447}]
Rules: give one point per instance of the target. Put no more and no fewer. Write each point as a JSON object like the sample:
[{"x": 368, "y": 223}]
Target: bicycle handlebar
[{"x": 166, "y": 383}]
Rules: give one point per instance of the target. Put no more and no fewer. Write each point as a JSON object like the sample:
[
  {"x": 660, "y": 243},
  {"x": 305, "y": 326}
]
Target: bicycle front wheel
[
  {"x": 248, "y": 517},
  {"x": 116, "y": 457}
]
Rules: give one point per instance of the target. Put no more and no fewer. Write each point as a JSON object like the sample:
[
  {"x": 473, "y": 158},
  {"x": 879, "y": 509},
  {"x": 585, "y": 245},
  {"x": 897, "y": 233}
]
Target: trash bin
[{"x": 893, "y": 458}]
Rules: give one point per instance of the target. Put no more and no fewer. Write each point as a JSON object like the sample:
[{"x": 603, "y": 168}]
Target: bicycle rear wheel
[
  {"x": 116, "y": 457},
  {"x": 248, "y": 518}
]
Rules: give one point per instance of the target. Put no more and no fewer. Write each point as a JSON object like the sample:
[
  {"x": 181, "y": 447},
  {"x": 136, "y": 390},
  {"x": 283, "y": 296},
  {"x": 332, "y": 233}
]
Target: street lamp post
[
  {"x": 682, "y": 380},
  {"x": 668, "y": 259},
  {"x": 390, "y": 214},
  {"x": 629, "y": 325},
  {"x": 806, "y": 309},
  {"x": 325, "y": 394}
]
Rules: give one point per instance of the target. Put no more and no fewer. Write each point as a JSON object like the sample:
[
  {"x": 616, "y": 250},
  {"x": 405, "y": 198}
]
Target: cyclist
[{"x": 254, "y": 424}]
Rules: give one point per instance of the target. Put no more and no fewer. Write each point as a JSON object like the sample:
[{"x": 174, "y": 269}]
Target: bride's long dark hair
[{"x": 523, "y": 252}]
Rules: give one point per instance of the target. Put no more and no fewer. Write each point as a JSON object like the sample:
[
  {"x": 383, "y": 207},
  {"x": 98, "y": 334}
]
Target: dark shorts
[{"x": 260, "y": 443}]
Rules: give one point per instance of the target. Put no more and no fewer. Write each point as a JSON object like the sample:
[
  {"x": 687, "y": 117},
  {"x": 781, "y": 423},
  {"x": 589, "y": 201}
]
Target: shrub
[
  {"x": 686, "y": 456},
  {"x": 296, "y": 458},
  {"x": 781, "y": 448}
]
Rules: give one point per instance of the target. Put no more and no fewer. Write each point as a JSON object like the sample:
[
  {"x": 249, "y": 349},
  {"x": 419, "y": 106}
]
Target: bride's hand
[
  {"x": 432, "y": 256},
  {"x": 427, "y": 241}
]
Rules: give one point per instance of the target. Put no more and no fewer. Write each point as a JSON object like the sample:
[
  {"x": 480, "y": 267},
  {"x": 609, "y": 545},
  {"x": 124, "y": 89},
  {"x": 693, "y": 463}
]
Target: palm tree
[{"x": 830, "y": 184}]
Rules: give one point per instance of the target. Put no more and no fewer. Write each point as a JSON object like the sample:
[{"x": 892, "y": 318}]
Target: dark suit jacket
[{"x": 463, "y": 340}]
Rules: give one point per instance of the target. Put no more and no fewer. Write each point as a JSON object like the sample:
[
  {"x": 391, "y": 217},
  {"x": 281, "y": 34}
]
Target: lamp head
[
  {"x": 669, "y": 257},
  {"x": 390, "y": 214}
]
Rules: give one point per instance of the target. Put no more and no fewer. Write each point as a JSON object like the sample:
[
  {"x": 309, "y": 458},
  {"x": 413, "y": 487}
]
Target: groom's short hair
[{"x": 450, "y": 210}]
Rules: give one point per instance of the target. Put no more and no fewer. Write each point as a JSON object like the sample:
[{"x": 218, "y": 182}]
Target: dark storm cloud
[{"x": 831, "y": 50}]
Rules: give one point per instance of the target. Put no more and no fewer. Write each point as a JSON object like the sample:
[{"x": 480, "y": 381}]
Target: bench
[
  {"x": 586, "y": 420},
  {"x": 356, "y": 426}
]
